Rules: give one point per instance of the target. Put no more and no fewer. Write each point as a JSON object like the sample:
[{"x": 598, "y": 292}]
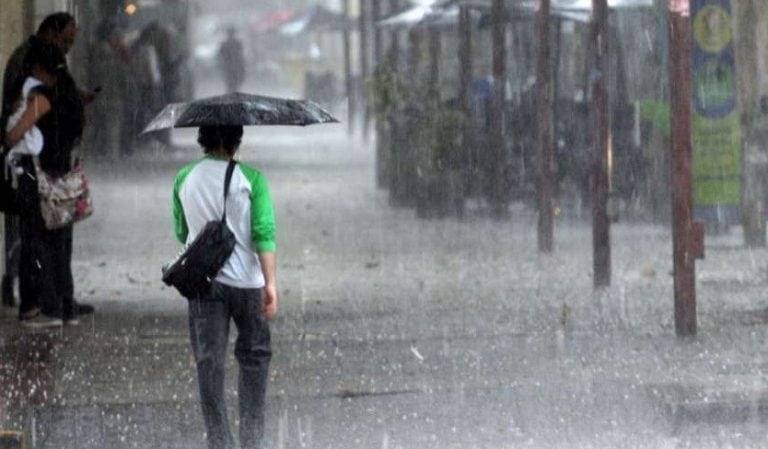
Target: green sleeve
[
  {"x": 262, "y": 213},
  {"x": 179, "y": 220}
]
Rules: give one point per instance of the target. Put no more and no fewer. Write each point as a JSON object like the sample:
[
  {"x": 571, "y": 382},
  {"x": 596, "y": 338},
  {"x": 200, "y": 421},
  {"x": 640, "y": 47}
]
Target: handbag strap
[{"x": 227, "y": 179}]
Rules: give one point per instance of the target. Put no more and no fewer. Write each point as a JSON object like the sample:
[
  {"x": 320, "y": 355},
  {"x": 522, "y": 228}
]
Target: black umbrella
[{"x": 239, "y": 109}]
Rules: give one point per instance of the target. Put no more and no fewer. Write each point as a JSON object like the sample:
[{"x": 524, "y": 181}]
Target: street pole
[
  {"x": 378, "y": 36},
  {"x": 465, "y": 58},
  {"x": 601, "y": 232},
  {"x": 381, "y": 143},
  {"x": 747, "y": 18},
  {"x": 498, "y": 43},
  {"x": 346, "y": 42},
  {"x": 434, "y": 62},
  {"x": 686, "y": 235},
  {"x": 545, "y": 139},
  {"x": 465, "y": 88},
  {"x": 394, "y": 5},
  {"x": 365, "y": 70}
]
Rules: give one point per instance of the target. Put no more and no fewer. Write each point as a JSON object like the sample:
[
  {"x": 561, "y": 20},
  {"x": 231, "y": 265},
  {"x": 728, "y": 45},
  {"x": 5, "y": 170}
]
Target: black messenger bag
[{"x": 197, "y": 266}]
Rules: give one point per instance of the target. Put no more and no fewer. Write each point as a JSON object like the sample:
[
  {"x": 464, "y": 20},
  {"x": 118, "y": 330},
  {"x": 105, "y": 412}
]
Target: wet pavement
[{"x": 394, "y": 331}]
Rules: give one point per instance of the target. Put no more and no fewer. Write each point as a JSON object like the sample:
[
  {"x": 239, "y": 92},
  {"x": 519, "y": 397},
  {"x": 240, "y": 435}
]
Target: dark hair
[
  {"x": 55, "y": 23},
  {"x": 44, "y": 55},
  {"x": 214, "y": 137}
]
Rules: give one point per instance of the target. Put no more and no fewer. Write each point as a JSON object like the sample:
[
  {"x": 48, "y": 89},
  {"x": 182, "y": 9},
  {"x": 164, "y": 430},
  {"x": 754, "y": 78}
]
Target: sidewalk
[{"x": 397, "y": 332}]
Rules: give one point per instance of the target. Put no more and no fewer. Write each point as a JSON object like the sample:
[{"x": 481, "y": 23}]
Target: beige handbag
[{"x": 64, "y": 200}]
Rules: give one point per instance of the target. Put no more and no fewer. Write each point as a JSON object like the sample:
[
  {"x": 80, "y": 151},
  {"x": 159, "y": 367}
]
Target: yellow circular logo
[{"x": 713, "y": 28}]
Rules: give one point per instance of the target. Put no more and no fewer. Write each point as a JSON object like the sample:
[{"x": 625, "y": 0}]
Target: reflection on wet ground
[
  {"x": 119, "y": 377},
  {"x": 396, "y": 332},
  {"x": 27, "y": 374}
]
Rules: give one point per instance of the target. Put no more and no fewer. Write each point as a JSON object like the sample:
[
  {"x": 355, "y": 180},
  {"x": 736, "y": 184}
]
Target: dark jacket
[
  {"x": 62, "y": 128},
  {"x": 13, "y": 80}
]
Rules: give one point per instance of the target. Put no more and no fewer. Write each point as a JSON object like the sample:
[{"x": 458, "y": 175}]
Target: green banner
[{"x": 717, "y": 161}]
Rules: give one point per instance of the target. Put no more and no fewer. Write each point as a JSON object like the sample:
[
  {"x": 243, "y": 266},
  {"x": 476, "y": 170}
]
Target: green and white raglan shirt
[{"x": 198, "y": 195}]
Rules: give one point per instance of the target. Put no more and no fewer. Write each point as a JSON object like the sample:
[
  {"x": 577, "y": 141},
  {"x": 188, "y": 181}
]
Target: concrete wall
[{"x": 15, "y": 25}]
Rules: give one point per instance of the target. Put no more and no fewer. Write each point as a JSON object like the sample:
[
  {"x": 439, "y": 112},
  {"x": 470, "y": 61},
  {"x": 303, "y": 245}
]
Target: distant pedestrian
[
  {"x": 108, "y": 58},
  {"x": 232, "y": 61},
  {"x": 157, "y": 68},
  {"x": 245, "y": 290},
  {"x": 59, "y": 30},
  {"x": 145, "y": 72}
]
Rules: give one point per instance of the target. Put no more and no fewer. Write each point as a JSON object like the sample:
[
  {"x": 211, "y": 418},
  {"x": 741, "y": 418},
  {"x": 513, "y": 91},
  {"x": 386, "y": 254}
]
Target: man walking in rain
[{"x": 244, "y": 291}]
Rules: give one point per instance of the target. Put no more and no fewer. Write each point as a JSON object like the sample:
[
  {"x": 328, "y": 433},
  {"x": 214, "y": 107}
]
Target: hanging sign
[{"x": 717, "y": 162}]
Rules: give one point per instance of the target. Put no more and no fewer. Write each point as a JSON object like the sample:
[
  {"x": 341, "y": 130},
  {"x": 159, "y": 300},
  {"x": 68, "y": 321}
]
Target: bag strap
[{"x": 227, "y": 179}]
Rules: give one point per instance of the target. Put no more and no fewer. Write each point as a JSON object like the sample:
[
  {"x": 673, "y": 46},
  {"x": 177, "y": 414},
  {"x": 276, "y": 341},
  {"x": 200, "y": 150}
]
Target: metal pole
[
  {"x": 365, "y": 70},
  {"x": 545, "y": 141},
  {"x": 394, "y": 5},
  {"x": 684, "y": 231},
  {"x": 601, "y": 232},
  {"x": 465, "y": 58},
  {"x": 499, "y": 68},
  {"x": 434, "y": 62},
  {"x": 378, "y": 35},
  {"x": 346, "y": 42},
  {"x": 382, "y": 144},
  {"x": 465, "y": 88}
]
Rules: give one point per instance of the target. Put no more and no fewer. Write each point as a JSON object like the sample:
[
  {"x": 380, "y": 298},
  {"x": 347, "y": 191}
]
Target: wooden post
[
  {"x": 684, "y": 231},
  {"x": 545, "y": 141},
  {"x": 601, "y": 237}
]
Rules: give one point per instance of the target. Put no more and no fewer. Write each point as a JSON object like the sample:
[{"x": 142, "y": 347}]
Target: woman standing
[{"x": 45, "y": 278}]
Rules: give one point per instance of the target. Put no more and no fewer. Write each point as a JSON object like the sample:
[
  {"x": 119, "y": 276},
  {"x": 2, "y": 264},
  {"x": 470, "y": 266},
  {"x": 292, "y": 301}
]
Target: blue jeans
[{"x": 209, "y": 320}]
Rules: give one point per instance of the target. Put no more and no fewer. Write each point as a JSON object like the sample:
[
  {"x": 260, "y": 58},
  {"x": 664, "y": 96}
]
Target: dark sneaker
[
  {"x": 31, "y": 313},
  {"x": 83, "y": 309},
  {"x": 42, "y": 321},
  {"x": 6, "y": 291}
]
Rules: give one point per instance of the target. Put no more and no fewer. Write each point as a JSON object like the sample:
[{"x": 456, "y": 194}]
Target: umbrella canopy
[
  {"x": 316, "y": 18},
  {"x": 272, "y": 21},
  {"x": 438, "y": 14},
  {"x": 564, "y": 5},
  {"x": 586, "y": 5},
  {"x": 408, "y": 17},
  {"x": 576, "y": 10},
  {"x": 573, "y": 10},
  {"x": 432, "y": 17},
  {"x": 239, "y": 109}
]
